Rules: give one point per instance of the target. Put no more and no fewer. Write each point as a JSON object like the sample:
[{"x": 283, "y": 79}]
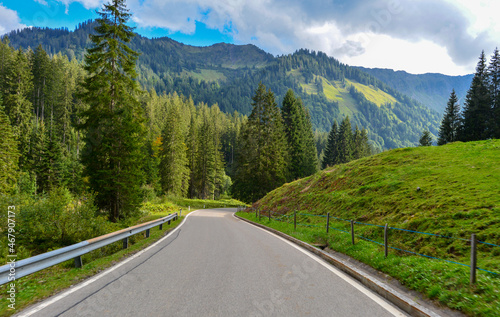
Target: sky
[{"x": 418, "y": 36}]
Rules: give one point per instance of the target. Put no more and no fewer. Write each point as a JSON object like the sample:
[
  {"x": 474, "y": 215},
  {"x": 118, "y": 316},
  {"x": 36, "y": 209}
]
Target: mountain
[
  {"x": 432, "y": 90},
  {"x": 228, "y": 75}
]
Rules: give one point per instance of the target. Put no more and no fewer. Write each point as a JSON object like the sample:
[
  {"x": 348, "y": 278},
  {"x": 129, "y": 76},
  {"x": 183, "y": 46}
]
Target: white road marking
[
  {"x": 391, "y": 309},
  {"x": 95, "y": 278}
]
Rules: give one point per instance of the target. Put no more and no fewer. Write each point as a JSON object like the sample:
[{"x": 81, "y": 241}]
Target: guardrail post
[
  {"x": 180, "y": 212},
  {"x": 295, "y": 220},
  {"x": 386, "y": 244},
  {"x": 189, "y": 208},
  {"x": 327, "y": 222},
  {"x": 125, "y": 243},
  {"x": 161, "y": 226},
  {"x": 352, "y": 231},
  {"x": 78, "y": 262},
  {"x": 147, "y": 233},
  {"x": 473, "y": 259}
]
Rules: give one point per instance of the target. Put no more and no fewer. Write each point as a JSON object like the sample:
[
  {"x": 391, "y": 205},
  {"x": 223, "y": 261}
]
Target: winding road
[{"x": 214, "y": 264}]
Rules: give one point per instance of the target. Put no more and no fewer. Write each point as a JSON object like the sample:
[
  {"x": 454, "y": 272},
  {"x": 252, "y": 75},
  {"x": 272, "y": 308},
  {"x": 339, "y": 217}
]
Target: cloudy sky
[{"x": 419, "y": 36}]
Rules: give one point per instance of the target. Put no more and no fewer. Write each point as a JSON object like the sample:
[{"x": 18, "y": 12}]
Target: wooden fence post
[
  {"x": 386, "y": 244},
  {"x": 352, "y": 231},
  {"x": 295, "y": 220},
  {"x": 327, "y": 222},
  {"x": 473, "y": 259}
]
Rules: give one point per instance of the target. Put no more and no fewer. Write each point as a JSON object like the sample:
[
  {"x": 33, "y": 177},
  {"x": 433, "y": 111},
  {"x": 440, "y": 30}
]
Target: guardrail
[{"x": 42, "y": 261}]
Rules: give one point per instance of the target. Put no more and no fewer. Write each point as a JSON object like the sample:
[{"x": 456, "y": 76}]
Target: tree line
[{"x": 480, "y": 117}]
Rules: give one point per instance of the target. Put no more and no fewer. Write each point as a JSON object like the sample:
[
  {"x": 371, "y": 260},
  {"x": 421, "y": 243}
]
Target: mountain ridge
[
  {"x": 227, "y": 74},
  {"x": 430, "y": 89}
]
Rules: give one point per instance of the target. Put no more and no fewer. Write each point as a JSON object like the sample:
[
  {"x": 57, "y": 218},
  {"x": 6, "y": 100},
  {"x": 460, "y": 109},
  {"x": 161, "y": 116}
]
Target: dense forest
[
  {"x": 88, "y": 132},
  {"x": 227, "y": 75}
]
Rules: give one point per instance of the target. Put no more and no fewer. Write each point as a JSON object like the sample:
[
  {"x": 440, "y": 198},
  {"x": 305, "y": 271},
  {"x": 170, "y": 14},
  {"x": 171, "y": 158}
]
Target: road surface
[{"x": 217, "y": 265}]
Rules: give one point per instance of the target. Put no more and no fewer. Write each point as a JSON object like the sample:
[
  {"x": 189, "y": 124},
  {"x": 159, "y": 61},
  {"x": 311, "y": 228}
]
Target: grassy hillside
[
  {"x": 459, "y": 195},
  {"x": 451, "y": 191}
]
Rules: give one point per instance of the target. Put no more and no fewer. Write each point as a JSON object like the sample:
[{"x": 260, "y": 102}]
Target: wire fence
[{"x": 312, "y": 221}]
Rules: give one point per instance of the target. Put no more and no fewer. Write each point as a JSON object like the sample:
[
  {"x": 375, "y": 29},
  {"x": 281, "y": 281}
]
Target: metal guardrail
[{"x": 42, "y": 261}]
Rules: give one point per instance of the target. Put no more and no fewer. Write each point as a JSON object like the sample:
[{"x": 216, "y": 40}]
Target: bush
[{"x": 56, "y": 220}]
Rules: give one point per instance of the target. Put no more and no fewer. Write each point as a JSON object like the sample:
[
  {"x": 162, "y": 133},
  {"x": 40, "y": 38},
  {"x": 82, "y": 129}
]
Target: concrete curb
[{"x": 400, "y": 300}]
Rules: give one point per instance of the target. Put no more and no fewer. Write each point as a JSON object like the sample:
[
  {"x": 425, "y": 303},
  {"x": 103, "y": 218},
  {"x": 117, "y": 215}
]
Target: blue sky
[
  {"x": 442, "y": 36},
  {"x": 55, "y": 14}
]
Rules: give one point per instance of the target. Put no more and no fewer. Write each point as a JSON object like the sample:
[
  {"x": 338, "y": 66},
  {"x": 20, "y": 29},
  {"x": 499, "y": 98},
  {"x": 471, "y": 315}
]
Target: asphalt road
[{"x": 217, "y": 265}]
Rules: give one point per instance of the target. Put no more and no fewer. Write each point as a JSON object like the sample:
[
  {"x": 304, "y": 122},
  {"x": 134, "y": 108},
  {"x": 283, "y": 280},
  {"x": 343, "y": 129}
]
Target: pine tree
[
  {"x": 261, "y": 165},
  {"x": 114, "y": 122},
  {"x": 9, "y": 155},
  {"x": 310, "y": 153},
  {"x": 494, "y": 81},
  {"x": 345, "y": 141},
  {"x": 332, "y": 151},
  {"x": 174, "y": 171},
  {"x": 6, "y": 57},
  {"x": 17, "y": 105},
  {"x": 477, "y": 108},
  {"x": 425, "y": 138},
  {"x": 450, "y": 125},
  {"x": 41, "y": 72},
  {"x": 294, "y": 129}
]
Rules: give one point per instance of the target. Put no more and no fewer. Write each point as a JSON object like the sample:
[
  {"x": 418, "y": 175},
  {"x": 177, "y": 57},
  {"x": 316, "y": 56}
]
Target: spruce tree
[
  {"x": 261, "y": 165},
  {"x": 41, "y": 72},
  {"x": 193, "y": 149},
  {"x": 332, "y": 151},
  {"x": 17, "y": 104},
  {"x": 477, "y": 107},
  {"x": 174, "y": 171},
  {"x": 114, "y": 122},
  {"x": 494, "y": 81},
  {"x": 450, "y": 125},
  {"x": 310, "y": 153},
  {"x": 300, "y": 137},
  {"x": 295, "y": 134},
  {"x": 425, "y": 138},
  {"x": 345, "y": 141},
  {"x": 9, "y": 155}
]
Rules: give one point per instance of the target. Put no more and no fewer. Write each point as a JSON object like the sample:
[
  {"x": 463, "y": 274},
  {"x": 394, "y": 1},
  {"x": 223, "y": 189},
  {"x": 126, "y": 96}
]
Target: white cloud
[
  {"x": 424, "y": 56},
  {"x": 9, "y": 20},
  {"x": 43, "y": 2}
]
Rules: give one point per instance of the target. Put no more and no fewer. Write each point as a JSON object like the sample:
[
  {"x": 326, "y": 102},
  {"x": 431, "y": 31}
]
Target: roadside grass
[
  {"x": 445, "y": 283},
  {"x": 43, "y": 284}
]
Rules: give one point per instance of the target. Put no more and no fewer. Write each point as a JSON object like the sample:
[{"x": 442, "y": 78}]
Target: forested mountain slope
[
  {"x": 228, "y": 75},
  {"x": 432, "y": 90}
]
